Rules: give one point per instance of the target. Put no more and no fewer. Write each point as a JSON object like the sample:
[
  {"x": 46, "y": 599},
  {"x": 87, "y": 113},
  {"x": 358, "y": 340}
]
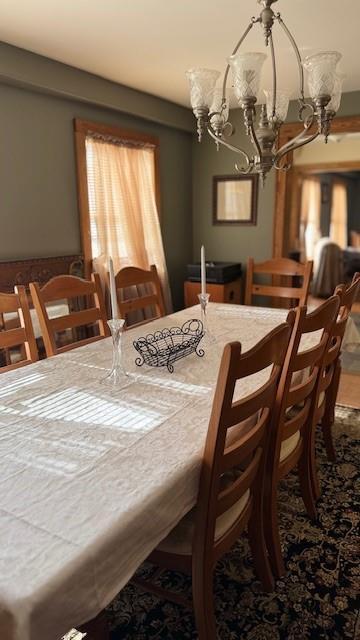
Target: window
[
  {"x": 310, "y": 216},
  {"x": 338, "y": 221},
  {"x": 117, "y": 181}
]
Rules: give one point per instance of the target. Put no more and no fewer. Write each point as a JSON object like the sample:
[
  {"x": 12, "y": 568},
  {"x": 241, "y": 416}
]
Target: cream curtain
[
  {"x": 338, "y": 221},
  {"x": 124, "y": 219},
  {"x": 310, "y": 231}
]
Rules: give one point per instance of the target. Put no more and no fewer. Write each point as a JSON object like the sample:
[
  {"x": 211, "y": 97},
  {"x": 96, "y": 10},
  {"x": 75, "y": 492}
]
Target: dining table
[{"x": 93, "y": 475}]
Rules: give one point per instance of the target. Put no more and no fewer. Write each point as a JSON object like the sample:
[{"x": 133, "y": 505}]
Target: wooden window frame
[
  {"x": 285, "y": 180},
  {"x": 83, "y": 128}
]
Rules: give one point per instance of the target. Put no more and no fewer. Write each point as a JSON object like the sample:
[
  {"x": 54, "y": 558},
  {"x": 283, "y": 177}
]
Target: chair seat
[
  {"x": 179, "y": 540},
  {"x": 289, "y": 445}
]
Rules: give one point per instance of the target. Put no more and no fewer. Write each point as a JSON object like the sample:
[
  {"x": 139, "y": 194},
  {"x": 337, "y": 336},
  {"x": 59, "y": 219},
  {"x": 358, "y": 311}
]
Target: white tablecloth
[{"x": 92, "y": 478}]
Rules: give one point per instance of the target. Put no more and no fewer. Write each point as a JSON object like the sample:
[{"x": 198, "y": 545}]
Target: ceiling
[{"x": 148, "y": 44}]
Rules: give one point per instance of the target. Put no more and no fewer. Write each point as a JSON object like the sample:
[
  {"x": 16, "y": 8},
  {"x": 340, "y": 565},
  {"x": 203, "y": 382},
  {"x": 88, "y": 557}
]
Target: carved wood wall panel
[{"x": 40, "y": 270}]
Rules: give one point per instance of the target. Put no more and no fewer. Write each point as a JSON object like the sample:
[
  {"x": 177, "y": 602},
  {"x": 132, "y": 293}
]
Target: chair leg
[
  {"x": 329, "y": 414},
  {"x": 315, "y": 485},
  {"x": 259, "y": 551},
  {"x": 203, "y": 598},
  {"x": 272, "y": 534},
  {"x": 306, "y": 473}
]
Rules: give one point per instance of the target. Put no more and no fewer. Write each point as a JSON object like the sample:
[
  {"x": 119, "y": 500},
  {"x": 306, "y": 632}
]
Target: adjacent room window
[
  {"x": 117, "y": 173},
  {"x": 310, "y": 232},
  {"x": 338, "y": 220}
]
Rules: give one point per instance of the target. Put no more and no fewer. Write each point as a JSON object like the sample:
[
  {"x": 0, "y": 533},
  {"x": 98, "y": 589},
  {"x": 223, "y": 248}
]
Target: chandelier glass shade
[{"x": 210, "y": 104}]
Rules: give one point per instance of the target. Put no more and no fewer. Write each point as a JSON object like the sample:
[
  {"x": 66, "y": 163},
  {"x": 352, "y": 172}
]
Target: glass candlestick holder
[
  {"x": 117, "y": 374},
  {"x": 204, "y": 301}
]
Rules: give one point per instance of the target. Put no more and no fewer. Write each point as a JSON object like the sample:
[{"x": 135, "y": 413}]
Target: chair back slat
[
  {"x": 143, "y": 280},
  {"x": 243, "y": 409},
  {"x": 12, "y": 338},
  {"x": 276, "y": 291},
  {"x": 237, "y": 452},
  {"x": 231, "y": 441},
  {"x": 9, "y": 303},
  {"x": 74, "y": 319},
  {"x": 21, "y": 337},
  {"x": 299, "y": 393},
  {"x": 278, "y": 268},
  {"x": 334, "y": 349},
  {"x": 69, "y": 287},
  {"x": 134, "y": 304},
  {"x": 229, "y": 496},
  {"x": 306, "y": 358},
  {"x": 295, "y": 423}
]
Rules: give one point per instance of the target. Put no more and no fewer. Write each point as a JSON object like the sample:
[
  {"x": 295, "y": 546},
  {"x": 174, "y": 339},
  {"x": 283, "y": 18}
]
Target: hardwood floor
[{"x": 349, "y": 390}]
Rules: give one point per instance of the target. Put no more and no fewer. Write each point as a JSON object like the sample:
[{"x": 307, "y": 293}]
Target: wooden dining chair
[
  {"x": 149, "y": 296},
  {"x": 279, "y": 268},
  {"x": 292, "y": 427},
  {"x": 69, "y": 288},
  {"x": 329, "y": 384},
  {"x": 21, "y": 336},
  {"x": 231, "y": 482}
]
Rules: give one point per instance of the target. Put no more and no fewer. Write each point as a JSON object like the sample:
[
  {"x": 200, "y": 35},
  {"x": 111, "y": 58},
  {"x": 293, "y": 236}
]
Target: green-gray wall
[
  {"x": 39, "y": 98},
  {"x": 237, "y": 243},
  {"x": 39, "y": 212}
]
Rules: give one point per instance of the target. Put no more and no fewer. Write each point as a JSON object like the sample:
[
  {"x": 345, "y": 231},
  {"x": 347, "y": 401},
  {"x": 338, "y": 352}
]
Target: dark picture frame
[{"x": 235, "y": 200}]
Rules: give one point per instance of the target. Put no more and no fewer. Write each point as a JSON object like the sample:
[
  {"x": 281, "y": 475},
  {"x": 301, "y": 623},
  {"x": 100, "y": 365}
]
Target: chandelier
[{"x": 211, "y": 105}]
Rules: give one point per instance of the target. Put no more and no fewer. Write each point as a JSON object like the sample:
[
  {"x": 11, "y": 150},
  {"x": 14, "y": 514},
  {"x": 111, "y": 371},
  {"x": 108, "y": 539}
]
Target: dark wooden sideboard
[{"x": 13, "y": 272}]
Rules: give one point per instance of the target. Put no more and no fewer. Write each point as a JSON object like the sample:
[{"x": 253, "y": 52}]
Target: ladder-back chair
[
  {"x": 22, "y": 336},
  {"x": 149, "y": 296},
  {"x": 292, "y": 430},
  {"x": 278, "y": 268},
  {"x": 69, "y": 288},
  {"x": 231, "y": 482}
]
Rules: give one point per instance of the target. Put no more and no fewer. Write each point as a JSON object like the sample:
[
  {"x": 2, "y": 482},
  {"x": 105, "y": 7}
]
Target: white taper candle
[
  {"x": 203, "y": 271},
  {"x": 113, "y": 297}
]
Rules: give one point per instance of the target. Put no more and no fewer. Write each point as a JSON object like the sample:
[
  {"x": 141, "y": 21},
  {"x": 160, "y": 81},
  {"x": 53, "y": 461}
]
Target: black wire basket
[{"x": 163, "y": 348}]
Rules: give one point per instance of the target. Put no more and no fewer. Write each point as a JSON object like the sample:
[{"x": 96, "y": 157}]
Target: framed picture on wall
[{"x": 235, "y": 199}]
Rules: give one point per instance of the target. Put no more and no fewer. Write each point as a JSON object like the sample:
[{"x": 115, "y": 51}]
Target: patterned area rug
[{"x": 317, "y": 600}]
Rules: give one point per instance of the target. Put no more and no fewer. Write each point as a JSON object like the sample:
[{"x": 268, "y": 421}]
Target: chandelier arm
[
  {"x": 243, "y": 171},
  {"x": 307, "y": 126},
  {"x": 273, "y": 62},
  {"x": 219, "y": 140},
  {"x": 246, "y": 32},
  {"x": 292, "y": 146},
  {"x": 254, "y": 140},
  {"x": 297, "y": 53}
]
